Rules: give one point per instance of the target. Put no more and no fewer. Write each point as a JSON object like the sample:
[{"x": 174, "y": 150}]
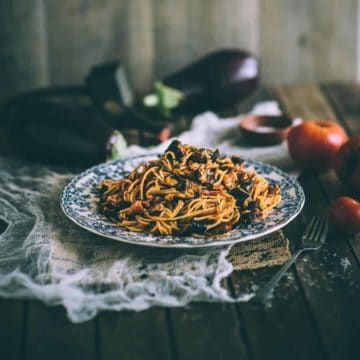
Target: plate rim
[{"x": 179, "y": 245}]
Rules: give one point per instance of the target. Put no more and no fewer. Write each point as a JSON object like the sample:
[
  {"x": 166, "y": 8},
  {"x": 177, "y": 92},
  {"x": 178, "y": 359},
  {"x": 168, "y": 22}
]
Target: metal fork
[{"x": 313, "y": 238}]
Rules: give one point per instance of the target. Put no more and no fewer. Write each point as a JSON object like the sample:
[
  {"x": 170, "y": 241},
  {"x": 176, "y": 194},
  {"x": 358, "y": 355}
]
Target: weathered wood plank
[
  {"x": 284, "y": 38},
  {"x": 52, "y": 336},
  {"x": 297, "y": 41},
  {"x": 12, "y": 328},
  {"x": 79, "y": 36},
  {"x": 308, "y": 40},
  {"x": 213, "y": 24},
  {"x": 131, "y": 335},
  {"x": 345, "y": 98},
  {"x": 288, "y": 317},
  {"x": 132, "y": 29},
  {"x": 274, "y": 330},
  {"x": 22, "y": 46},
  {"x": 345, "y": 111},
  {"x": 332, "y": 39},
  {"x": 170, "y": 36},
  {"x": 203, "y": 338},
  {"x": 207, "y": 331},
  {"x": 296, "y": 101},
  {"x": 234, "y": 23},
  {"x": 331, "y": 275}
]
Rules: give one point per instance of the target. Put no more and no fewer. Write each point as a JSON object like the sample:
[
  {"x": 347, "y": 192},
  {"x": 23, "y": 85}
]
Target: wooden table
[{"x": 315, "y": 313}]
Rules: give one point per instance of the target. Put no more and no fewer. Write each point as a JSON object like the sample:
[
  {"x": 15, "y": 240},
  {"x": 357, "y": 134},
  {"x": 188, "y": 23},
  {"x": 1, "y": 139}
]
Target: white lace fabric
[{"x": 43, "y": 255}]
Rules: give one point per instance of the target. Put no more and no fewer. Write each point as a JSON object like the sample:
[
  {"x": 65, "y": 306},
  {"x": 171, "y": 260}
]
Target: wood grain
[
  {"x": 296, "y": 101},
  {"x": 132, "y": 335},
  {"x": 23, "y": 58},
  {"x": 171, "y": 21},
  {"x": 345, "y": 98},
  {"x": 330, "y": 275},
  {"x": 284, "y": 44},
  {"x": 308, "y": 40},
  {"x": 213, "y": 24},
  {"x": 288, "y": 315},
  {"x": 207, "y": 331},
  {"x": 50, "y": 335},
  {"x": 79, "y": 36},
  {"x": 288, "y": 318},
  {"x": 12, "y": 328},
  {"x": 132, "y": 27},
  {"x": 56, "y": 42},
  {"x": 333, "y": 38}
]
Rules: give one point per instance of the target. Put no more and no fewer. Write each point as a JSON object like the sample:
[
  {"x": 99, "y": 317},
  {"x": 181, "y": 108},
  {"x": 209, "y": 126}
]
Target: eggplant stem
[
  {"x": 117, "y": 146},
  {"x": 151, "y": 100},
  {"x": 164, "y": 98}
]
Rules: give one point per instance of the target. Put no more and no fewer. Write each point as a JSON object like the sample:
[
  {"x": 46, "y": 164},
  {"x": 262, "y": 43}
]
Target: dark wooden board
[
  {"x": 207, "y": 331},
  {"x": 273, "y": 331},
  {"x": 329, "y": 277},
  {"x": 12, "y": 328},
  {"x": 345, "y": 99},
  {"x": 50, "y": 335},
  {"x": 287, "y": 316},
  {"x": 134, "y": 335}
]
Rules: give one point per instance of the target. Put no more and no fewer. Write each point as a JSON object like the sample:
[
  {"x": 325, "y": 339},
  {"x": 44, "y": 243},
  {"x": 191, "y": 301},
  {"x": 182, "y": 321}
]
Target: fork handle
[{"x": 265, "y": 292}]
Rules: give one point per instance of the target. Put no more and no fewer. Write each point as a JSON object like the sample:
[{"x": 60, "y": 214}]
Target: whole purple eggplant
[
  {"x": 45, "y": 130},
  {"x": 220, "y": 79}
]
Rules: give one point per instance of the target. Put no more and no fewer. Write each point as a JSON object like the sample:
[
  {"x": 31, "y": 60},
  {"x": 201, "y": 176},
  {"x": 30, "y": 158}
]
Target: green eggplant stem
[
  {"x": 164, "y": 99},
  {"x": 117, "y": 146}
]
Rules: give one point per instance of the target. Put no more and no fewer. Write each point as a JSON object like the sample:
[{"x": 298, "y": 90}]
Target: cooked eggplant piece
[
  {"x": 246, "y": 219},
  {"x": 219, "y": 79},
  {"x": 176, "y": 148},
  {"x": 45, "y": 130},
  {"x": 237, "y": 160},
  {"x": 215, "y": 155},
  {"x": 196, "y": 227},
  {"x": 239, "y": 194}
]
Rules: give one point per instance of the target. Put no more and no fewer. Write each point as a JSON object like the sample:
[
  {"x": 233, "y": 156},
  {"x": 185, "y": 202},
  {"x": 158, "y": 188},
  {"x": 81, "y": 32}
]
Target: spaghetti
[{"x": 187, "y": 191}]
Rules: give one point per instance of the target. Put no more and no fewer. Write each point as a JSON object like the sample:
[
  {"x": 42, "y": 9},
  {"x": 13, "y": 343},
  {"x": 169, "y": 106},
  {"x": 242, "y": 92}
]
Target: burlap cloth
[{"x": 270, "y": 250}]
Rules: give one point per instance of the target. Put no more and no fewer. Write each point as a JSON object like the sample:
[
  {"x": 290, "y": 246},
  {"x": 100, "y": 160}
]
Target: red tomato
[
  {"x": 313, "y": 144},
  {"x": 345, "y": 215},
  {"x": 347, "y": 163}
]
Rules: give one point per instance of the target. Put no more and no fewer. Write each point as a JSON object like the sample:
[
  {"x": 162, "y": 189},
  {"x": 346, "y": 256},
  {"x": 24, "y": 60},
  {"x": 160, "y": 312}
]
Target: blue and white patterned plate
[{"x": 79, "y": 204}]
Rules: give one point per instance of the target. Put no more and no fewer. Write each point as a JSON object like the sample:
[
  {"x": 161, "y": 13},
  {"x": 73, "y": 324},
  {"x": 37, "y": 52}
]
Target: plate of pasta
[{"x": 186, "y": 197}]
